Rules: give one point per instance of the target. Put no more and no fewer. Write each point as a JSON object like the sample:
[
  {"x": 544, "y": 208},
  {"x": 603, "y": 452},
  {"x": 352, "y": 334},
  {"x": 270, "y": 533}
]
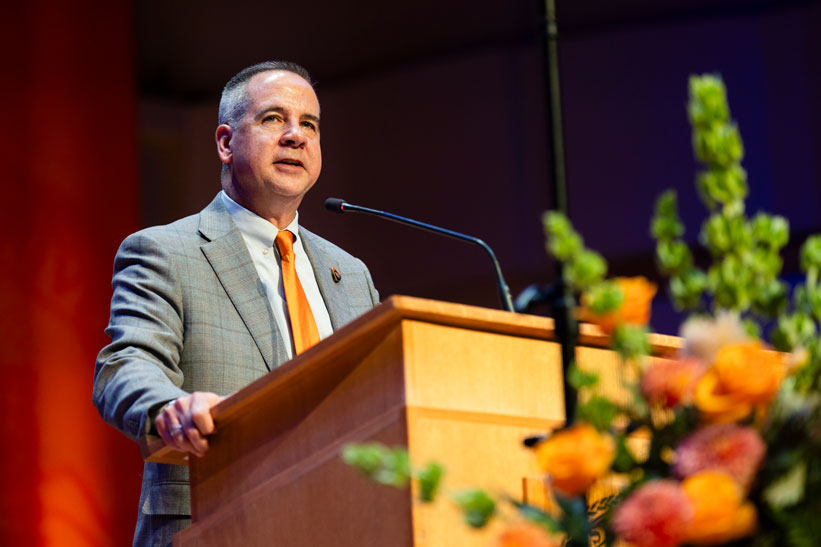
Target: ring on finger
[{"x": 176, "y": 430}]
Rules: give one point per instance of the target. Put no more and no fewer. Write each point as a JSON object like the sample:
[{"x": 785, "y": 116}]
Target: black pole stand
[
  {"x": 561, "y": 299},
  {"x": 558, "y": 296}
]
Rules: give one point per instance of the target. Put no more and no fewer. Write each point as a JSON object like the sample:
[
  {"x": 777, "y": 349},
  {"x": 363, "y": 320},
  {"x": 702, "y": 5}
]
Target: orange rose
[
  {"x": 528, "y": 535},
  {"x": 720, "y": 514},
  {"x": 743, "y": 376},
  {"x": 634, "y": 310},
  {"x": 576, "y": 457}
]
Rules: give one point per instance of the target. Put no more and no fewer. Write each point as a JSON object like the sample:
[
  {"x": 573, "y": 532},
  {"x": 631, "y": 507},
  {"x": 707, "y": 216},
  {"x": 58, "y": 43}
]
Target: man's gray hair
[{"x": 234, "y": 99}]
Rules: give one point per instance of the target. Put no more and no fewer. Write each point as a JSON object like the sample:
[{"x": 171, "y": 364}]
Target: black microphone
[{"x": 341, "y": 206}]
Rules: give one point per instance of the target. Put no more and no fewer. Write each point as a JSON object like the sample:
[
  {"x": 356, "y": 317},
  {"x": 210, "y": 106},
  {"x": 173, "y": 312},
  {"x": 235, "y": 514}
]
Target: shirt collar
[{"x": 255, "y": 228}]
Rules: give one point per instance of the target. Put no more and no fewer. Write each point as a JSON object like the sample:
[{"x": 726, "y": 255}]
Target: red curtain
[{"x": 70, "y": 195}]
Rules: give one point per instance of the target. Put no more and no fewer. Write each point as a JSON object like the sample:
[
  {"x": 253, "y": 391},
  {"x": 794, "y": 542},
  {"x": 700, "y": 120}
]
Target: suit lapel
[
  {"x": 227, "y": 254},
  {"x": 321, "y": 263}
]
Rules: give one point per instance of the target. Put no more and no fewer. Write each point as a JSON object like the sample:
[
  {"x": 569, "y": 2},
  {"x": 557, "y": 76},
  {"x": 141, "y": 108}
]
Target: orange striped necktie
[{"x": 303, "y": 326}]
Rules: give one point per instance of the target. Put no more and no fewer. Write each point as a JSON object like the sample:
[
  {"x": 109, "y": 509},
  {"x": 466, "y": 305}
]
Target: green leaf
[
  {"x": 666, "y": 224},
  {"x": 808, "y": 377},
  {"x": 674, "y": 256},
  {"x": 814, "y": 302},
  {"x": 792, "y": 331},
  {"x": 724, "y": 185},
  {"x": 395, "y": 469},
  {"x": 771, "y": 230},
  {"x": 666, "y": 228},
  {"x": 667, "y": 204},
  {"x": 429, "y": 479},
  {"x": 556, "y": 224},
  {"x": 586, "y": 269},
  {"x": 562, "y": 240},
  {"x": 708, "y": 100},
  {"x": 722, "y": 234},
  {"x": 731, "y": 282},
  {"x": 803, "y": 527},
  {"x": 624, "y": 462},
  {"x": 477, "y": 506},
  {"x": 379, "y": 463},
  {"x": 762, "y": 262},
  {"x": 715, "y": 234},
  {"x": 630, "y": 341},
  {"x": 604, "y": 297},
  {"x": 565, "y": 248},
  {"x": 752, "y": 328},
  {"x": 574, "y": 518},
  {"x": 811, "y": 253},
  {"x": 771, "y": 298},
  {"x": 801, "y": 297},
  {"x": 538, "y": 517},
  {"x": 687, "y": 289},
  {"x": 366, "y": 457},
  {"x": 578, "y": 378},
  {"x": 789, "y": 489},
  {"x": 718, "y": 146},
  {"x": 598, "y": 411}
]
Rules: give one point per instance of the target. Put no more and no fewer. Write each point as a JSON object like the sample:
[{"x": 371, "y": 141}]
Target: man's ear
[{"x": 223, "y": 137}]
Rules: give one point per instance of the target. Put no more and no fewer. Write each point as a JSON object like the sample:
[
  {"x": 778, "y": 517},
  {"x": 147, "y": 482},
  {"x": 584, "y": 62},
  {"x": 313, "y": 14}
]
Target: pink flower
[
  {"x": 736, "y": 450},
  {"x": 657, "y": 514},
  {"x": 671, "y": 383}
]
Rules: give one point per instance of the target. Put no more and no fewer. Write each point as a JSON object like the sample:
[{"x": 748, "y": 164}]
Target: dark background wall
[
  {"x": 430, "y": 109},
  {"x": 436, "y": 111}
]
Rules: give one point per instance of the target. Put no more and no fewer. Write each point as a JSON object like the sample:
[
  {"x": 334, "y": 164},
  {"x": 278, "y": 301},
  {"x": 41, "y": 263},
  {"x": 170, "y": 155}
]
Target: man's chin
[{"x": 290, "y": 190}]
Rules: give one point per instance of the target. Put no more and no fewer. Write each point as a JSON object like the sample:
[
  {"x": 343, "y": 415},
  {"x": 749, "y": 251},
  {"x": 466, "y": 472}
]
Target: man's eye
[
  {"x": 271, "y": 118},
  {"x": 309, "y": 125}
]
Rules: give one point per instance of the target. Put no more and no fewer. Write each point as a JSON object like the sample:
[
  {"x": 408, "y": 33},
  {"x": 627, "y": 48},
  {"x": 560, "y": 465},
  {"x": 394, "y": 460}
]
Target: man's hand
[{"x": 184, "y": 423}]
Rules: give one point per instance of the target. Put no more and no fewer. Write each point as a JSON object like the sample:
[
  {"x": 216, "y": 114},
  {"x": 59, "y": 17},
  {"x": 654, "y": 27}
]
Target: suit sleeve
[
  {"x": 139, "y": 370},
  {"x": 371, "y": 287}
]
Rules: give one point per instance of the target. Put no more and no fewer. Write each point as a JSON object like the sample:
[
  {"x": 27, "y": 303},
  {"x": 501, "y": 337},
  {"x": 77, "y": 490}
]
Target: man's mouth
[{"x": 288, "y": 161}]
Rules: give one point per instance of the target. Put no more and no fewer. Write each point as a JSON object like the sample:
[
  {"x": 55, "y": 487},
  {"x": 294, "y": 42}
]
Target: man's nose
[{"x": 293, "y": 136}]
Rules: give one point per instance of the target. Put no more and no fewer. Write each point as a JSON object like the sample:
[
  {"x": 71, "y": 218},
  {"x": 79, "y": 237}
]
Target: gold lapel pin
[{"x": 335, "y": 275}]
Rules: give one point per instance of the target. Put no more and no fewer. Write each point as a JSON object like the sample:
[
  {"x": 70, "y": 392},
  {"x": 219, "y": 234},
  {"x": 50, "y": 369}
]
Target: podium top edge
[{"x": 463, "y": 315}]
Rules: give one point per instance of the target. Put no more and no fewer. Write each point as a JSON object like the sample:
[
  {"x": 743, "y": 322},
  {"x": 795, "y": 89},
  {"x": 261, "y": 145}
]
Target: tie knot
[{"x": 285, "y": 243}]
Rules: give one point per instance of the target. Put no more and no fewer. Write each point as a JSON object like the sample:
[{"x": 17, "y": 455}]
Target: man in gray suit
[{"x": 198, "y": 309}]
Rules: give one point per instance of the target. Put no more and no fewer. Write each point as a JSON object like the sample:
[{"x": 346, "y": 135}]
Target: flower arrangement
[{"x": 719, "y": 445}]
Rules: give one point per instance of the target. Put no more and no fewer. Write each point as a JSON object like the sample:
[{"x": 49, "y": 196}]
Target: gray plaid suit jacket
[{"x": 188, "y": 314}]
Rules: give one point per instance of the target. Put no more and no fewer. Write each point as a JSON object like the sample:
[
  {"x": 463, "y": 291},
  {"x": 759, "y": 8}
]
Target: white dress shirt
[{"x": 259, "y": 235}]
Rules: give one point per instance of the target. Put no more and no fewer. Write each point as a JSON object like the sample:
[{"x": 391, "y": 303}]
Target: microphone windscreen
[{"x": 335, "y": 204}]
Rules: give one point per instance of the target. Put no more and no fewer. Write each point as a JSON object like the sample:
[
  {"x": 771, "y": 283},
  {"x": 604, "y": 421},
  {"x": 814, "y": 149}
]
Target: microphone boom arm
[{"x": 341, "y": 206}]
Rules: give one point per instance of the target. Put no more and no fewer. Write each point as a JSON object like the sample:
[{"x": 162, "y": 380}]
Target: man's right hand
[{"x": 184, "y": 423}]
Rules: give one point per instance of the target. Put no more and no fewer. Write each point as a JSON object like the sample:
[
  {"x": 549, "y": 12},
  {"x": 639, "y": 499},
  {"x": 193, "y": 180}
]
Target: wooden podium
[{"x": 457, "y": 384}]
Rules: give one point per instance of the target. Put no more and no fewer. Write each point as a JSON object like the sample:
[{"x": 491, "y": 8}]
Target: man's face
[{"x": 274, "y": 148}]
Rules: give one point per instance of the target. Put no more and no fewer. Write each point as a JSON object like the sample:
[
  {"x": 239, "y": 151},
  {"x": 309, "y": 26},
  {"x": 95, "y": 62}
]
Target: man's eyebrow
[
  {"x": 262, "y": 113},
  {"x": 281, "y": 110}
]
